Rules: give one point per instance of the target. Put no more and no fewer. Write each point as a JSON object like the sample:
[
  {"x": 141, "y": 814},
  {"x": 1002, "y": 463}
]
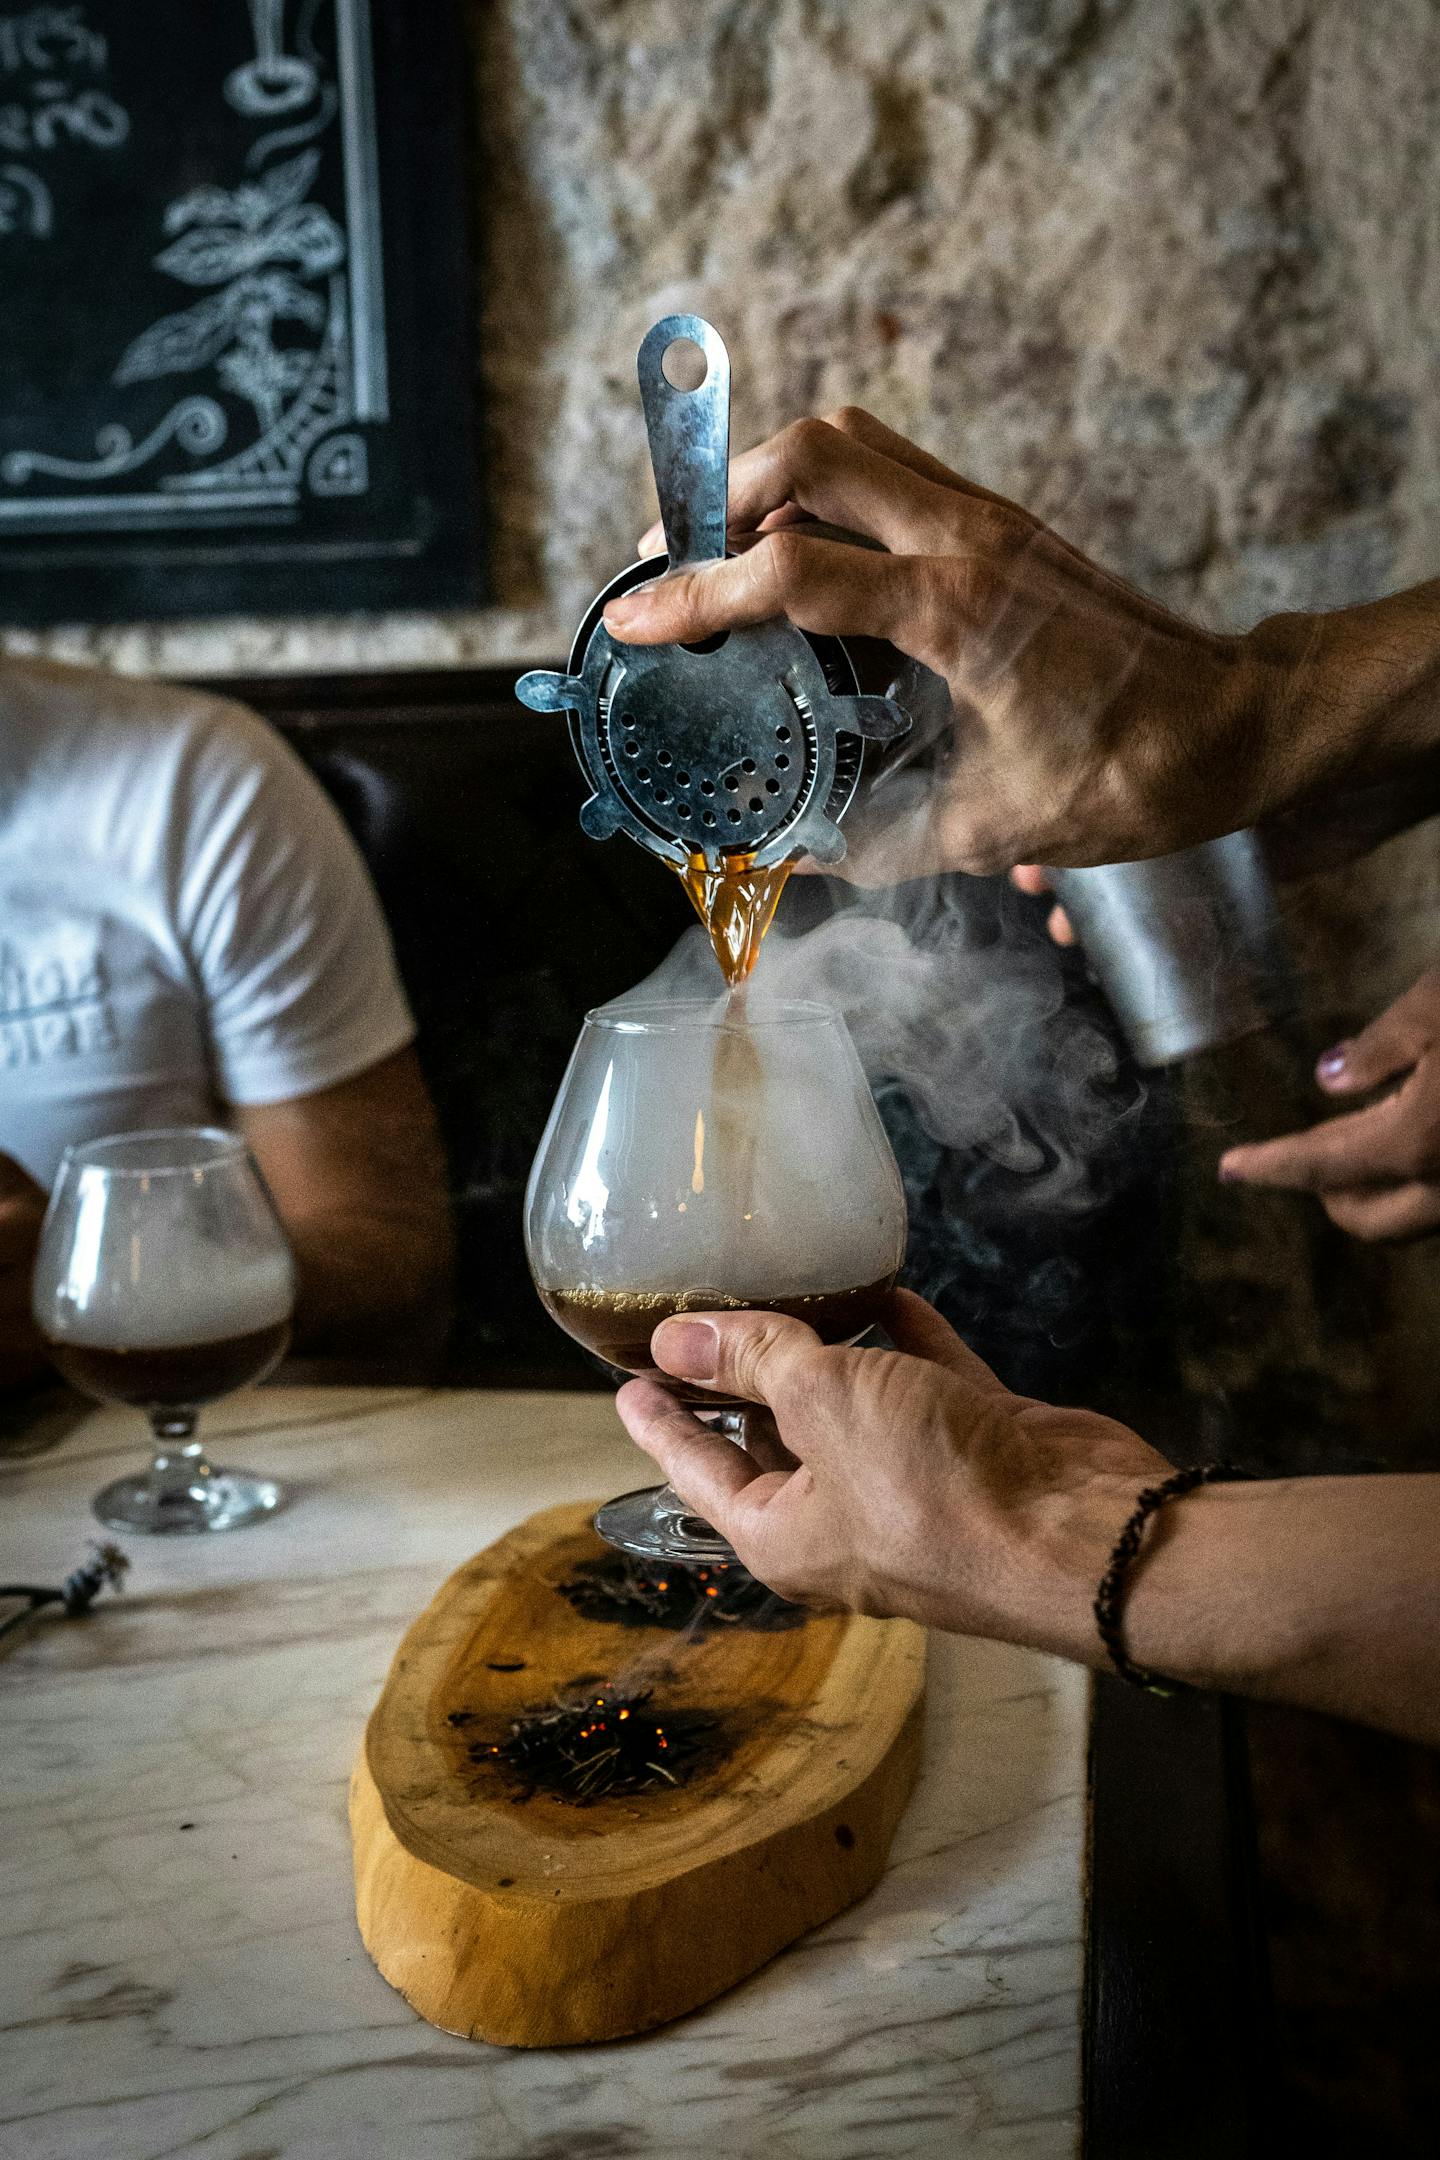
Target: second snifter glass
[
  {"x": 706, "y": 1156},
  {"x": 164, "y": 1280}
]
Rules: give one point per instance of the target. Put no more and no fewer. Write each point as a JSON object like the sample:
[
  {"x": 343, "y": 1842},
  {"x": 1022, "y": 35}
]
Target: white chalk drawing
[
  {"x": 26, "y": 204},
  {"x": 196, "y": 423},
  {"x": 46, "y": 38},
  {"x": 275, "y": 461},
  {"x": 291, "y": 317},
  {"x": 259, "y": 244},
  {"x": 43, "y": 111},
  {"x": 274, "y": 81},
  {"x": 340, "y": 466},
  {"x": 58, "y": 116}
]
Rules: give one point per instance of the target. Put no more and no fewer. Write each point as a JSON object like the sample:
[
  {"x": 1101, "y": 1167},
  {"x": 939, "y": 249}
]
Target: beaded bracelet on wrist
[{"x": 1115, "y": 1582}]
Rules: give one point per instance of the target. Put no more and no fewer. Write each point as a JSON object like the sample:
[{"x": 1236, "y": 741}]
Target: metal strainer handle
[{"x": 689, "y": 432}]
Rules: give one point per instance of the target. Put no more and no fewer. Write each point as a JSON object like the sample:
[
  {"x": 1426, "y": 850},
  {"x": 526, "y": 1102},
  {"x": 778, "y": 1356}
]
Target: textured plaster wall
[{"x": 1167, "y": 270}]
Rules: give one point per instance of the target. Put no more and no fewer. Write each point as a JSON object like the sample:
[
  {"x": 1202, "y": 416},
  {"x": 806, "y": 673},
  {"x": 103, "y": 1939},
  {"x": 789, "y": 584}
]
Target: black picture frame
[{"x": 283, "y": 310}]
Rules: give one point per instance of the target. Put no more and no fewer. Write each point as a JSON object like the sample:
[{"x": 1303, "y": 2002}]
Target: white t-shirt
[{"x": 184, "y": 921}]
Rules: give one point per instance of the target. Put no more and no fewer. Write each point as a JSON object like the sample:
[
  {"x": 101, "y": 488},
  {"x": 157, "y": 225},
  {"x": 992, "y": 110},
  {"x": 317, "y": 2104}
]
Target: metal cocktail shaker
[{"x": 1188, "y": 948}]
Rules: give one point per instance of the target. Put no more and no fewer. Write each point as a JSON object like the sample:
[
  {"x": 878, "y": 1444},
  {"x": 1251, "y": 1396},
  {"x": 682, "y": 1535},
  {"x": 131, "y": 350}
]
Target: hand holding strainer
[{"x": 750, "y": 743}]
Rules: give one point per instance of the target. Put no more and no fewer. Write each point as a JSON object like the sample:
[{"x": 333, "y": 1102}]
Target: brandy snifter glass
[
  {"x": 164, "y": 1281},
  {"x": 709, "y": 1156}
]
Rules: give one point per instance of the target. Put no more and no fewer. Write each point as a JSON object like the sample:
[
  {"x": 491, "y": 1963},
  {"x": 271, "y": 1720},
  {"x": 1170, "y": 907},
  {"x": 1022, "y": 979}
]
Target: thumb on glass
[{"x": 755, "y": 1355}]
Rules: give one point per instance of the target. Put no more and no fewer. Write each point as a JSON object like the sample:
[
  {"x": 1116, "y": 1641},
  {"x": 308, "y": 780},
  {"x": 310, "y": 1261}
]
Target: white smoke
[
  {"x": 188, "y": 1292},
  {"x": 977, "y": 1032}
]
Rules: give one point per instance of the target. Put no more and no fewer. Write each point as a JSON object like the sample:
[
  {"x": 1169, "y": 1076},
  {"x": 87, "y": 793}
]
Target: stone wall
[{"x": 1166, "y": 270}]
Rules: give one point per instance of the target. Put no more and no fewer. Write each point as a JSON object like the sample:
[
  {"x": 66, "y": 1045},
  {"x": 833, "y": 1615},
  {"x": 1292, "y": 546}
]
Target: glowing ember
[{"x": 599, "y": 1747}]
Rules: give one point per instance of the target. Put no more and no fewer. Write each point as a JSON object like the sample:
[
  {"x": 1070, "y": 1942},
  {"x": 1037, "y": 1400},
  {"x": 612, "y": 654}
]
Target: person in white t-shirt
[{"x": 188, "y": 935}]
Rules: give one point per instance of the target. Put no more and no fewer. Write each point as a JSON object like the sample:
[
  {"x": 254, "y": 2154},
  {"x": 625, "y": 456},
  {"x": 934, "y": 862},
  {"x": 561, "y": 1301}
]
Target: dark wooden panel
[
  {"x": 1348, "y": 1833},
  {"x": 1177, "y": 2022}
]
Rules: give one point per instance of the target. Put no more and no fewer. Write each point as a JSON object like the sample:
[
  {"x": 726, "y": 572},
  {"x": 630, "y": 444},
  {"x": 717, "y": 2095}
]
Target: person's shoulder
[
  {"x": 58, "y": 696},
  {"x": 162, "y": 732}
]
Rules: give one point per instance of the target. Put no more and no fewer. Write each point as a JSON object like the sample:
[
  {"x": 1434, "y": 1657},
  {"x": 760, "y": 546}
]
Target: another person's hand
[
  {"x": 1091, "y": 725},
  {"x": 920, "y": 1486},
  {"x": 22, "y": 1210},
  {"x": 1030, "y": 878},
  {"x": 1377, "y": 1171}
]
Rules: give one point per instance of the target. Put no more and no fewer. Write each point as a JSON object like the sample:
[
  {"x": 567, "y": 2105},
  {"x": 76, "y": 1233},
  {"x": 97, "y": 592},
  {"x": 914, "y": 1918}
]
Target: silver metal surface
[
  {"x": 750, "y": 742},
  {"x": 689, "y": 436},
  {"x": 1188, "y": 947}
]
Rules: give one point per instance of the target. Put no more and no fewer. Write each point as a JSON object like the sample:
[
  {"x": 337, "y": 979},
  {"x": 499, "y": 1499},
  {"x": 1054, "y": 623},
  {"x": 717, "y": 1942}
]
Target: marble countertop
[{"x": 180, "y": 1972}]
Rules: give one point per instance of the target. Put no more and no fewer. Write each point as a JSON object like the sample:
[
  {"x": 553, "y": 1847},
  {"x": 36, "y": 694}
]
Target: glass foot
[
  {"x": 223, "y": 1501},
  {"x": 655, "y": 1524}
]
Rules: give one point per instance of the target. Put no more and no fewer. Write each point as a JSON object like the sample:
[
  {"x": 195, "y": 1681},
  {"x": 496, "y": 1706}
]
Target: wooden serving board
[{"x": 535, "y": 1923}]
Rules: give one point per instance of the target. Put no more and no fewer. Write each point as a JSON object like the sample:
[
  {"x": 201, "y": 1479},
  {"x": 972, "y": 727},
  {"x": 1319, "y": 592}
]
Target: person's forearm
[
  {"x": 372, "y": 1285},
  {"x": 1349, "y": 698},
  {"x": 22, "y": 1353},
  {"x": 358, "y": 1178},
  {"x": 1319, "y": 1591},
  {"x": 22, "y": 1207}
]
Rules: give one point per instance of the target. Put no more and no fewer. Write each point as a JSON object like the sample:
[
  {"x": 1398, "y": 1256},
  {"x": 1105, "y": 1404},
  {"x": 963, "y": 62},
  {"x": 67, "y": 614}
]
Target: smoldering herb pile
[
  {"x": 631, "y": 1593},
  {"x": 600, "y": 1744}
]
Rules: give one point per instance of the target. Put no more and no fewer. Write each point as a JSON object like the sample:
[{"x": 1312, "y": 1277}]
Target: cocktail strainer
[{"x": 750, "y": 742}]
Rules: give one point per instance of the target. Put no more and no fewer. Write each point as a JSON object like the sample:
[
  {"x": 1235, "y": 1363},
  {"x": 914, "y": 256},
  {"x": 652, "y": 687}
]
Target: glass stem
[{"x": 179, "y": 1465}]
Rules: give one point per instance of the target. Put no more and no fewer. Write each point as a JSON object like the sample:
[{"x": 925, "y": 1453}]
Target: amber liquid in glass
[
  {"x": 617, "y": 1324},
  {"x": 177, "y": 1376}
]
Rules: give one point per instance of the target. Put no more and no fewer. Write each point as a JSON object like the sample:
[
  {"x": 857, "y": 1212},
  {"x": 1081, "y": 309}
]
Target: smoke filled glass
[{"x": 708, "y": 1155}]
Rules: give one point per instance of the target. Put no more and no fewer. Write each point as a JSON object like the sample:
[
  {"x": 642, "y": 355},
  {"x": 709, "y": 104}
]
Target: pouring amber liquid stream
[{"x": 737, "y": 905}]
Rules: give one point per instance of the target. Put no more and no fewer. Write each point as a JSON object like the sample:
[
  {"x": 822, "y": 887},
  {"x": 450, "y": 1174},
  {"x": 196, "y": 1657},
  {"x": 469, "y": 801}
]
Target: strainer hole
[
  {"x": 710, "y": 644},
  {"x": 632, "y": 749},
  {"x": 734, "y": 816},
  {"x": 756, "y": 803},
  {"x": 782, "y": 763},
  {"x": 709, "y": 818},
  {"x": 664, "y": 758},
  {"x": 642, "y": 772},
  {"x": 683, "y": 364},
  {"x": 782, "y": 734},
  {"x": 707, "y": 787},
  {"x": 772, "y": 787},
  {"x": 682, "y": 809},
  {"x": 682, "y": 779},
  {"x": 732, "y": 781},
  {"x": 662, "y": 794},
  {"x": 748, "y": 765}
]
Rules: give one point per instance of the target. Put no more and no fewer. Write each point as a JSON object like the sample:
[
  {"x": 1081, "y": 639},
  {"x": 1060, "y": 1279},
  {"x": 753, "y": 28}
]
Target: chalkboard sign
[{"x": 235, "y": 308}]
